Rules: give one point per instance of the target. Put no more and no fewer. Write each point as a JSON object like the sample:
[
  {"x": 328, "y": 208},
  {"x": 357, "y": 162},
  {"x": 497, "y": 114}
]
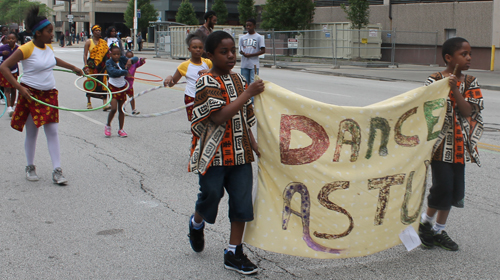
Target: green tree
[
  {"x": 186, "y": 14},
  {"x": 220, "y": 9},
  {"x": 287, "y": 14},
  {"x": 15, "y": 10},
  {"x": 148, "y": 13},
  {"x": 358, "y": 13},
  {"x": 246, "y": 9}
]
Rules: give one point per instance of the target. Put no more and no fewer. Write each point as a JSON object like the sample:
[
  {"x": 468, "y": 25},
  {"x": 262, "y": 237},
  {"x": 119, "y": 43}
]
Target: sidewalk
[{"x": 405, "y": 72}]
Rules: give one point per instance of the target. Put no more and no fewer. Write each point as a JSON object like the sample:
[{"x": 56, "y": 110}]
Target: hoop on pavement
[
  {"x": 5, "y": 107},
  {"x": 75, "y": 110},
  {"x": 153, "y": 114},
  {"x": 92, "y": 92}
]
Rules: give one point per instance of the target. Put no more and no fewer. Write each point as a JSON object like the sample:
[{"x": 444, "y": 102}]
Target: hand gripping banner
[{"x": 338, "y": 181}]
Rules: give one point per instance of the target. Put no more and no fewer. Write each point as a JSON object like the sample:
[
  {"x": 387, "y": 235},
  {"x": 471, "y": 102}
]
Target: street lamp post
[
  {"x": 134, "y": 38},
  {"x": 70, "y": 22}
]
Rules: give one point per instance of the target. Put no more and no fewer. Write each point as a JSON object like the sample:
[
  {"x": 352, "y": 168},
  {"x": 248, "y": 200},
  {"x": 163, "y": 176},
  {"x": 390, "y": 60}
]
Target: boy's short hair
[
  {"x": 192, "y": 36},
  {"x": 127, "y": 52},
  {"x": 214, "y": 40},
  {"x": 252, "y": 21},
  {"x": 209, "y": 15},
  {"x": 452, "y": 45}
]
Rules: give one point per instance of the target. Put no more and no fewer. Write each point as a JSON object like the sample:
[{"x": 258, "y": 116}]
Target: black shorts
[
  {"x": 237, "y": 180},
  {"x": 448, "y": 185}
]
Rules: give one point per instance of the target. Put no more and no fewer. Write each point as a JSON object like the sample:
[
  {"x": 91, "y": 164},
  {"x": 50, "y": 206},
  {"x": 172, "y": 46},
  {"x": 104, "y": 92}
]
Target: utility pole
[
  {"x": 70, "y": 23},
  {"x": 134, "y": 38}
]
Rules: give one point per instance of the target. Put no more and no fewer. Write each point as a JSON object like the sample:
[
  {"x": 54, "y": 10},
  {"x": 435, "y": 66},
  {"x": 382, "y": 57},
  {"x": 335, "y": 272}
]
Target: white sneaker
[
  {"x": 58, "y": 178},
  {"x": 2, "y": 101},
  {"x": 10, "y": 111},
  {"x": 31, "y": 173}
]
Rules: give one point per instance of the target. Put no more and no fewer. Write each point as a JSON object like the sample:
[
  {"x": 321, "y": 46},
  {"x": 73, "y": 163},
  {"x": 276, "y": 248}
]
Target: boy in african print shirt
[
  {"x": 460, "y": 134},
  {"x": 222, "y": 149}
]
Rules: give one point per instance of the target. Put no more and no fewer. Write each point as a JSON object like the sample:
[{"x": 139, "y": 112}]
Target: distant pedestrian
[
  {"x": 464, "y": 127},
  {"x": 207, "y": 28},
  {"x": 62, "y": 39},
  {"x": 251, "y": 45}
]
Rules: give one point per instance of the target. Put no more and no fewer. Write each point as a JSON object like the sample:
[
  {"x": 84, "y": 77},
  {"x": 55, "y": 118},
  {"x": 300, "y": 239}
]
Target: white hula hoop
[
  {"x": 103, "y": 93},
  {"x": 153, "y": 114}
]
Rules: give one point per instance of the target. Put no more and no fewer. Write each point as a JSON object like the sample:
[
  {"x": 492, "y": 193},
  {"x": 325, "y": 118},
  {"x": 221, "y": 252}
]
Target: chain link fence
[{"x": 333, "y": 45}]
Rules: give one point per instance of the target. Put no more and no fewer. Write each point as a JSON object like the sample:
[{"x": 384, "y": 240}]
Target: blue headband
[{"x": 40, "y": 25}]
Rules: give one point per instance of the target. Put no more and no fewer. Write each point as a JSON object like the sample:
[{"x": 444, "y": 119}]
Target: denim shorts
[
  {"x": 237, "y": 180},
  {"x": 448, "y": 185}
]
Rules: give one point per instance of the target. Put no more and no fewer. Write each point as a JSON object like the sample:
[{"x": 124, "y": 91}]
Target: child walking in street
[
  {"x": 130, "y": 79},
  {"x": 10, "y": 92},
  {"x": 251, "y": 46},
  {"x": 462, "y": 131},
  {"x": 38, "y": 60},
  {"x": 192, "y": 69},
  {"x": 117, "y": 70},
  {"x": 222, "y": 151}
]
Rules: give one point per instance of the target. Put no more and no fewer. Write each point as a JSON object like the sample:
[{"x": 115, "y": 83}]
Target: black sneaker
[
  {"x": 196, "y": 236},
  {"x": 239, "y": 261},
  {"x": 444, "y": 241},
  {"x": 426, "y": 235}
]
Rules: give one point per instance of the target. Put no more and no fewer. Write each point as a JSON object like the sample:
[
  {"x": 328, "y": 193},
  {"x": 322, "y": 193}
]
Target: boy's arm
[
  {"x": 227, "y": 112},
  {"x": 253, "y": 143},
  {"x": 464, "y": 107}
]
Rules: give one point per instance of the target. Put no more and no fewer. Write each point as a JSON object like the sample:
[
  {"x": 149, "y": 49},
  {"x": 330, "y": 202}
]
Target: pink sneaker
[
  {"x": 107, "y": 131},
  {"x": 122, "y": 133}
]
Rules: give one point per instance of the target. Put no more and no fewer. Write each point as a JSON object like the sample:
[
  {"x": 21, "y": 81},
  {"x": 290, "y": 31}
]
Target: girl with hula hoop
[
  {"x": 38, "y": 60},
  {"x": 9, "y": 90},
  {"x": 95, "y": 64},
  {"x": 192, "y": 69},
  {"x": 117, "y": 70},
  {"x": 130, "y": 79}
]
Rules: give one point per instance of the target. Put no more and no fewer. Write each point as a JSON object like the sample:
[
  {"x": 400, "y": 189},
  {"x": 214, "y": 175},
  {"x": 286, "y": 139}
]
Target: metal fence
[
  {"x": 370, "y": 46},
  {"x": 334, "y": 44}
]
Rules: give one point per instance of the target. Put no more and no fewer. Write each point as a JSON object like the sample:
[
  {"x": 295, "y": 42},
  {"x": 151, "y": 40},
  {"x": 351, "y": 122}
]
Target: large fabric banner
[{"x": 338, "y": 181}]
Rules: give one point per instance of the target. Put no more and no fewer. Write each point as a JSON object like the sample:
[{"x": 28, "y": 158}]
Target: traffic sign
[{"x": 138, "y": 13}]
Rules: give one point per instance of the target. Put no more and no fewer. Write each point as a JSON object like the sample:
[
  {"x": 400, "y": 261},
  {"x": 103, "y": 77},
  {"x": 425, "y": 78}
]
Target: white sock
[
  {"x": 197, "y": 225},
  {"x": 426, "y": 218},
  {"x": 232, "y": 248},
  {"x": 438, "y": 228}
]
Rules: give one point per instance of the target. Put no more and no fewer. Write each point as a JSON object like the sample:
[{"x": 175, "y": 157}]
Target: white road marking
[{"x": 88, "y": 118}]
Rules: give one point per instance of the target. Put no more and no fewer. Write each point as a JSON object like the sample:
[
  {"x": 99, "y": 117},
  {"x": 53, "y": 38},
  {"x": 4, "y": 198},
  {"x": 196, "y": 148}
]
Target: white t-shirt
[
  {"x": 111, "y": 41},
  {"x": 251, "y": 43},
  {"x": 190, "y": 71},
  {"x": 37, "y": 66},
  {"x": 119, "y": 81}
]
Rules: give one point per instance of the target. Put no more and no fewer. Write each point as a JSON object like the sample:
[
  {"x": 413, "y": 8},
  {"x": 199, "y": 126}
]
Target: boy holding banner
[{"x": 461, "y": 132}]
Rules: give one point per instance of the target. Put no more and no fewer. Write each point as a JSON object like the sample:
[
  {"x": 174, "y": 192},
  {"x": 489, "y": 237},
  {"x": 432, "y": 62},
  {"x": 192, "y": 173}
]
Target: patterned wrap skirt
[
  {"x": 122, "y": 96},
  {"x": 41, "y": 114},
  {"x": 4, "y": 83},
  {"x": 189, "y": 109}
]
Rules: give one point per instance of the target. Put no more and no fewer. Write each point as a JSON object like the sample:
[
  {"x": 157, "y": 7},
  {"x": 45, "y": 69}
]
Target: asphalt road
[{"x": 124, "y": 214}]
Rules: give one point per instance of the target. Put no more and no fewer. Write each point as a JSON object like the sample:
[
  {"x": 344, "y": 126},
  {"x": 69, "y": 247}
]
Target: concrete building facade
[
  {"x": 477, "y": 21},
  {"x": 87, "y": 13}
]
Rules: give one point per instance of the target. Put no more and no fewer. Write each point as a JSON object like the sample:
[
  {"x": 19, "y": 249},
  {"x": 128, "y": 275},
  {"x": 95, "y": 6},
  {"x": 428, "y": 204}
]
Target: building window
[{"x": 450, "y": 33}]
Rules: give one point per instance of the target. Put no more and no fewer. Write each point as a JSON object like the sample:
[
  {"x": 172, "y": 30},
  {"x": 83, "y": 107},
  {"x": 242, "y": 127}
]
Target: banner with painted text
[{"x": 337, "y": 181}]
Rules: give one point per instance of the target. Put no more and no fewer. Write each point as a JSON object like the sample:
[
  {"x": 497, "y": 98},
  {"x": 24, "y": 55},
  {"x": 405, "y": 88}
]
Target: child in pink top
[{"x": 130, "y": 79}]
